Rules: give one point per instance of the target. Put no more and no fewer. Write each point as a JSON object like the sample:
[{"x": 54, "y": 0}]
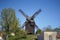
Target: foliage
[
  {"x": 48, "y": 28},
  {"x": 21, "y": 34},
  {"x": 30, "y": 37},
  {"x": 9, "y": 22},
  {"x": 38, "y": 31},
  {"x": 4, "y": 35},
  {"x": 8, "y": 19},
  {"x": 57, "y": 30}
]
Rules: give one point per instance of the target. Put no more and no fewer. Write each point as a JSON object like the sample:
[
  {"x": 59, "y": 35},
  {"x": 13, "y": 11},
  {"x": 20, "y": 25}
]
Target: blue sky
[{"x": 50, "y": 14}]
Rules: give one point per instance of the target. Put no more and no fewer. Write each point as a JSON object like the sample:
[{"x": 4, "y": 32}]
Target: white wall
[{"x": 47, "y": 34}]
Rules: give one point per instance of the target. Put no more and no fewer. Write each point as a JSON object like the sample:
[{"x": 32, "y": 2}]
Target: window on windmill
[{"x": 50, "y": 37}]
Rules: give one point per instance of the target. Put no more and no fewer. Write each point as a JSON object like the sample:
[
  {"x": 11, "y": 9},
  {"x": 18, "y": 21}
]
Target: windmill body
[{"x": 29, "y": 27}]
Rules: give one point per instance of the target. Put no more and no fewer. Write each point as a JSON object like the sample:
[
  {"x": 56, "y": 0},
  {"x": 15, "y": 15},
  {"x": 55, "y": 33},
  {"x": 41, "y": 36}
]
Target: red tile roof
[{"x": 58, "y": 36}]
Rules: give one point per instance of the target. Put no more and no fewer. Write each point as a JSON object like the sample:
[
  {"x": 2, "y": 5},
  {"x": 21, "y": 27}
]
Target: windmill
[{"x": 29, "y": 24}]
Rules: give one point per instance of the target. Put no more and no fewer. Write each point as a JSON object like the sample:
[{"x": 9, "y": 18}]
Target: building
[
  {"x": 50, "y": 35},
  {"x": 58, "y": 36},
  {"x": 1, "y": 36}
]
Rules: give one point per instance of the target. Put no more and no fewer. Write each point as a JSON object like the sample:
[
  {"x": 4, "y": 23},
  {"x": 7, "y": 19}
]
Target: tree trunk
[{"x": 7, "y": 36}]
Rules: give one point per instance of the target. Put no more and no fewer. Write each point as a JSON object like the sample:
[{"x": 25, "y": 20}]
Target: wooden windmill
[{"x": 29, "y": 24}]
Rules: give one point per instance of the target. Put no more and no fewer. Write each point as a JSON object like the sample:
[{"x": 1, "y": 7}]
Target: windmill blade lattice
[
  {"x": 36, "y": 13},
  {"x": 23, "y": 13}
]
